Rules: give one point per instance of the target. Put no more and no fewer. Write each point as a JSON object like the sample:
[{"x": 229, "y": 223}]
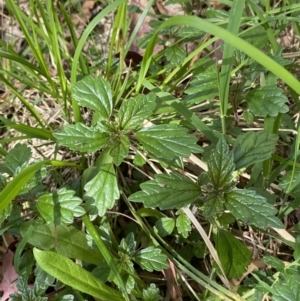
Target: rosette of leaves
[
  {"x": 113, "y": 130},
  {"x": 217, "y": 188}
]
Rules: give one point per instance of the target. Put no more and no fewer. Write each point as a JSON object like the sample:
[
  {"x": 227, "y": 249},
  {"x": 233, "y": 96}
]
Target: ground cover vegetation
[{"x": 162, "y": 165}]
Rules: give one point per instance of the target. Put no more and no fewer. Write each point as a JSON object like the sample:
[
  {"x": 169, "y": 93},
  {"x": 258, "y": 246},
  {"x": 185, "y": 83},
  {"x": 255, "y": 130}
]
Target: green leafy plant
[{"x": 171, "y": 167}]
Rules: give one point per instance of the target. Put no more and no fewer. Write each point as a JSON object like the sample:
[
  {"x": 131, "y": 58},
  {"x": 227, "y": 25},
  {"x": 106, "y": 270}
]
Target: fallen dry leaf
[{"x": 8, "y": 284}]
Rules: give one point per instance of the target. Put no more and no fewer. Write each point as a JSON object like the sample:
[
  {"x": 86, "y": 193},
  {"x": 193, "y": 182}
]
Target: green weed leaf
[
  {"x": 214, "y": 203},
  {"x": 151, "y": 259},
  {"x": 267, "y": 100},
  {"x": 275, "y": 263},
  {"x": 75, "y": 276},
  {"x": 175, "y": 54},
  {"x": 151, "y": 293},
  {"x": 167, "y": 141},
  {"x": 234, "y": 256},
  {"x": 60, "y": 206},
  {"x": 165, "y": 226},
  {"x": 290, "y": 182},
  {"x": 252, "y": 209},
  {"x": 288, "y": 288},
  {"x": 67, "y": 240},
  {"x": 172, "y": 191},
  {"x": 139, "y": 160},
  {"x": 134, "y": 111},
  {"x": 253, "y": 147},
  {"x": 119, "y": 149},
  {"x": 127, "y": 245},
  {"x": 17, "y": 158},
  {"x": 220, "y": 165},
  {"x": 94, "y": 93},
  {"x": 102, "y": 191},
  {"x": 80, "y": 137},
  {"x": 183, "y": 225},
  {"x": 205, "y": 84}
]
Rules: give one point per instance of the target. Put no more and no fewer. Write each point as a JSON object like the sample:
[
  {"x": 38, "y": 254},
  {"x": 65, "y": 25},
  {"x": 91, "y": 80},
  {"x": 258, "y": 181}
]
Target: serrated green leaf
[
  {"x": 129, "y": 283},
  {"x": 199, "y": 248},
  {"x": 274, "y": 262},
  {"x": 151, "y": 259},
  {"x": 103, "y": 271},
  {"x": 139, "y": 160},
  {"x": 234, "y": 256},
  {"x": 267, "y": 100},
  {"x": 172, "y": 191},
  {"x": 102, "y": 191},
  {"x": 134, "y": 111},
  {"x": 214, "y": 203},
  {"x": 165, "y": 226},
  {"x": 16, "y": 159},
  {"x": 253, "y": 147},
  {"x": 167, "y": 141},
  {"x": 248, "y": 116},
  {"x": 175, "y": 54},
  {"x": 151, "y": 293},
  {"x": 94, "y": 93},
  {"x": 252, "y": 209},
  {"x": 67, "y": 241},
  {"x": 205, "y": 84},
  {"x": 220, "y": 165},
  {"x": 183, "y": 225},
  {"x": 75, "y": 276},
  {"x": 127, "y": 245},
  {"x": 81, "y": 138},
  {"x": 119, "y": 149},
  {"x": 282, "y": 292},
  {"x": 288, "y": 288},
  {"x": 60, "y": 206},
  {"x": 42, "y": 278},
  {"x": 290, "y": 181}
]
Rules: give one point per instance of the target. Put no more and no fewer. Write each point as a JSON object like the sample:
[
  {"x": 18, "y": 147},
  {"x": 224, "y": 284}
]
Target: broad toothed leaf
[
  {"x": 234, "y": 256},
  {"x": 183, "y": 225},
  {"x": 102, "y": 191},
  {"x": 172, "y": 191},
  {"x": 253, "y": 147},
  {"x": 82, "y": 138},
  {"x": 252, "y": 209},
  {"x": 214, "y": 203},
  {"x": 151, "y": 259},
  {"x": 17, "y": 158},
  {"x": 151, "y": 293},
  {"x": 175, "y": 54},
  {"x": 94, "y": 93},
  {"x": 205, "y": 83},
  {"x": 67, "y": 240},
  {"x": 119, "y": 149},
  {"x": 165, "y": 226},
  {"x": 134, "y": 111},
  {"x": 268, "y": 100},
  {"x": 60, "y": 206},
  {"x": 220, "y": 165},
  {"x": 167, "y": 141},
  {"x": 127, "y": 245}
]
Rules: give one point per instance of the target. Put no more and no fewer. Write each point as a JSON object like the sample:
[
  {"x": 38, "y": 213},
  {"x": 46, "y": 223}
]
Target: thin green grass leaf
[
  {"x": 106, "y": 254},
  {"x": 228, "y": 37},
  {"x": 227, "y": 58}
]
